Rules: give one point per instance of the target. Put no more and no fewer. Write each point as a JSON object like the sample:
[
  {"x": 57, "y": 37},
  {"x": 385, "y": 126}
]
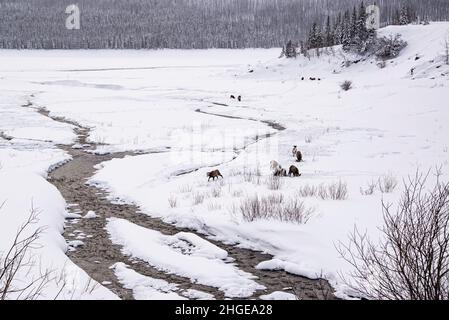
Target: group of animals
[
  {"x": 311, "y": 78},
  {"x": 239, "y": 98},
  {"x": 278, "y": 171},
  {"x": 276, "y": 168}
]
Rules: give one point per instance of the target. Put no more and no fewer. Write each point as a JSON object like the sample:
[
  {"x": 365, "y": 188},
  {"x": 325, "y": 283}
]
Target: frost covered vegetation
[
  {"x": 412, "y": 260},
  {"x": 135, "y": 24}
]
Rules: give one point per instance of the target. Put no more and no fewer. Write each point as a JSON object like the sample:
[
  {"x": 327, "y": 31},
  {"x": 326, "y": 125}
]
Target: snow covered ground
[
  {"x": 27, "y": 152},
  {"x": 389, "y": 125}
]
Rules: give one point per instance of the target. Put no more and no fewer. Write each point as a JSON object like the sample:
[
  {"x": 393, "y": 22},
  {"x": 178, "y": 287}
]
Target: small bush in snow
[
  {"x": 237, "y": 193},
  {"x": 381, "y": 64},
  {"x": 186, "y": 188},
  {"x": 216, "y": 192},
  {"x": 213, "y": 206},
  {"x": 295, "y": 211},
  {"x": 322, "y": 192},
  {"x": 252, "y": 176},
  {"x": 198, "y": 198},
  {"x": 387, "y": 183},
  {"x": 337, "y": 191},
  {"x": 369, "y": 189},
  {"x": 173, "y": 201},
  {"x": 274, "y": 183},
  {"x": 346, "y": 86},
  {"x": 307, "y": 191},
  {"x": 389, "y": 47},
  {"x": 275, "y": 207},
  {"x": 308, "y": 139},
  {"x": 333, "y": 191}
]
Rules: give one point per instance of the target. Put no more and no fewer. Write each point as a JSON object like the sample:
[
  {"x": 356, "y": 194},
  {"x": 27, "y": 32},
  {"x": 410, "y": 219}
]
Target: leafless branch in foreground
[
  {"x": 411, "y": 261},
  {"x": 18, "y": 259}
]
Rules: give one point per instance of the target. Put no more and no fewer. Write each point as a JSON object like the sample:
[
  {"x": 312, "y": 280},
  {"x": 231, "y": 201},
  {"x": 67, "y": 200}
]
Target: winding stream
[{"x": 98, "y": 253}]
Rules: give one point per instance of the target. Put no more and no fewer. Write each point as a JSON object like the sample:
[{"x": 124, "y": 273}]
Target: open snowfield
[{"x": 174, "y": 107}]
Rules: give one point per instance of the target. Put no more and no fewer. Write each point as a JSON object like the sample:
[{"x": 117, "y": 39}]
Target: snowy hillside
[{"x": 172, "y": 108}]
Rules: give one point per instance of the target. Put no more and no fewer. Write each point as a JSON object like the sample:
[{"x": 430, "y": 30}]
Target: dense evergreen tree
[
  {"x": 328, "y": 33},
  {"x": 315, "y": 39},
  {"x": 137, "y": 24},
  {"x": 289, "y": 50},
  {"x": 338, "y": 30}
]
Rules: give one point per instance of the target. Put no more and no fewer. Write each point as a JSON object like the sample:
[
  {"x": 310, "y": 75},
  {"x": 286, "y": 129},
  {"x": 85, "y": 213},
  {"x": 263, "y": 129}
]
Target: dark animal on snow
[
  {"x": 293, "y": 171},
  {"x": 280, "y": 172},
  {"x": 239, "y": 98},
  {"x": 214, "y": 174},
  {"x": 232, "y": 96},
  {"x": 298, "y": 156},
  {"x": 313, "y": 79},
  {"x": 302, "y": 78},
  {"x": 295, "y": 149}
]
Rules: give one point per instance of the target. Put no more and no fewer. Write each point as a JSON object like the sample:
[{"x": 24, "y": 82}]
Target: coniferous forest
[{"x": 137, "y": 24}]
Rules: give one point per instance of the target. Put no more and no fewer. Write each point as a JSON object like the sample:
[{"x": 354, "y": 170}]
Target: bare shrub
[
  {"x": 322, "y": 192},
  {"x": 173, "y": 201},
  {"x": 237, "y": 193},
  {"x": 307, "y": 191},
  {"x": 216, "y": 192},
  {"x": 235, "y": 172},
  {"x": 274, "y": 183},
  {"x": 346, "y": 85},
  {"x": 411, "y": 262},
  {"x": 198, "y": 198},
  {"x": 308, "y": 139},
  {"x": 213, "y": 206},
  {"x": 337, "y": 190},
  {"x": 369, "y": 189},
  {"x": 19, "y": 259},
  {"x": 275, "y": 207},
  {"x": 333, "y": 191},
  {"x": 295, "y": 211},
  {"x": 252, "y": 176},
  {"x": 186, "y": 188},
  {"x": 387, "y": 183}
]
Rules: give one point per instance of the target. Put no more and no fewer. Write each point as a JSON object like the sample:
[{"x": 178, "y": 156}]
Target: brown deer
[
  {"x": 280, "y": 172},
  {"x": 214, "y": 174},
  {"x": 293, "y": 171}
]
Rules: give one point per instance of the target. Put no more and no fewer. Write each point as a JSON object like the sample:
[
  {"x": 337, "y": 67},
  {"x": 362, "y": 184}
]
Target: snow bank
[
  {"x": 143, "y": 287},
  {"x": 183, "y": 254},
  {"x": 279, "y": 295},
  {"x": 20, "y": 194},
  {"x": 25, "y": 158}
]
